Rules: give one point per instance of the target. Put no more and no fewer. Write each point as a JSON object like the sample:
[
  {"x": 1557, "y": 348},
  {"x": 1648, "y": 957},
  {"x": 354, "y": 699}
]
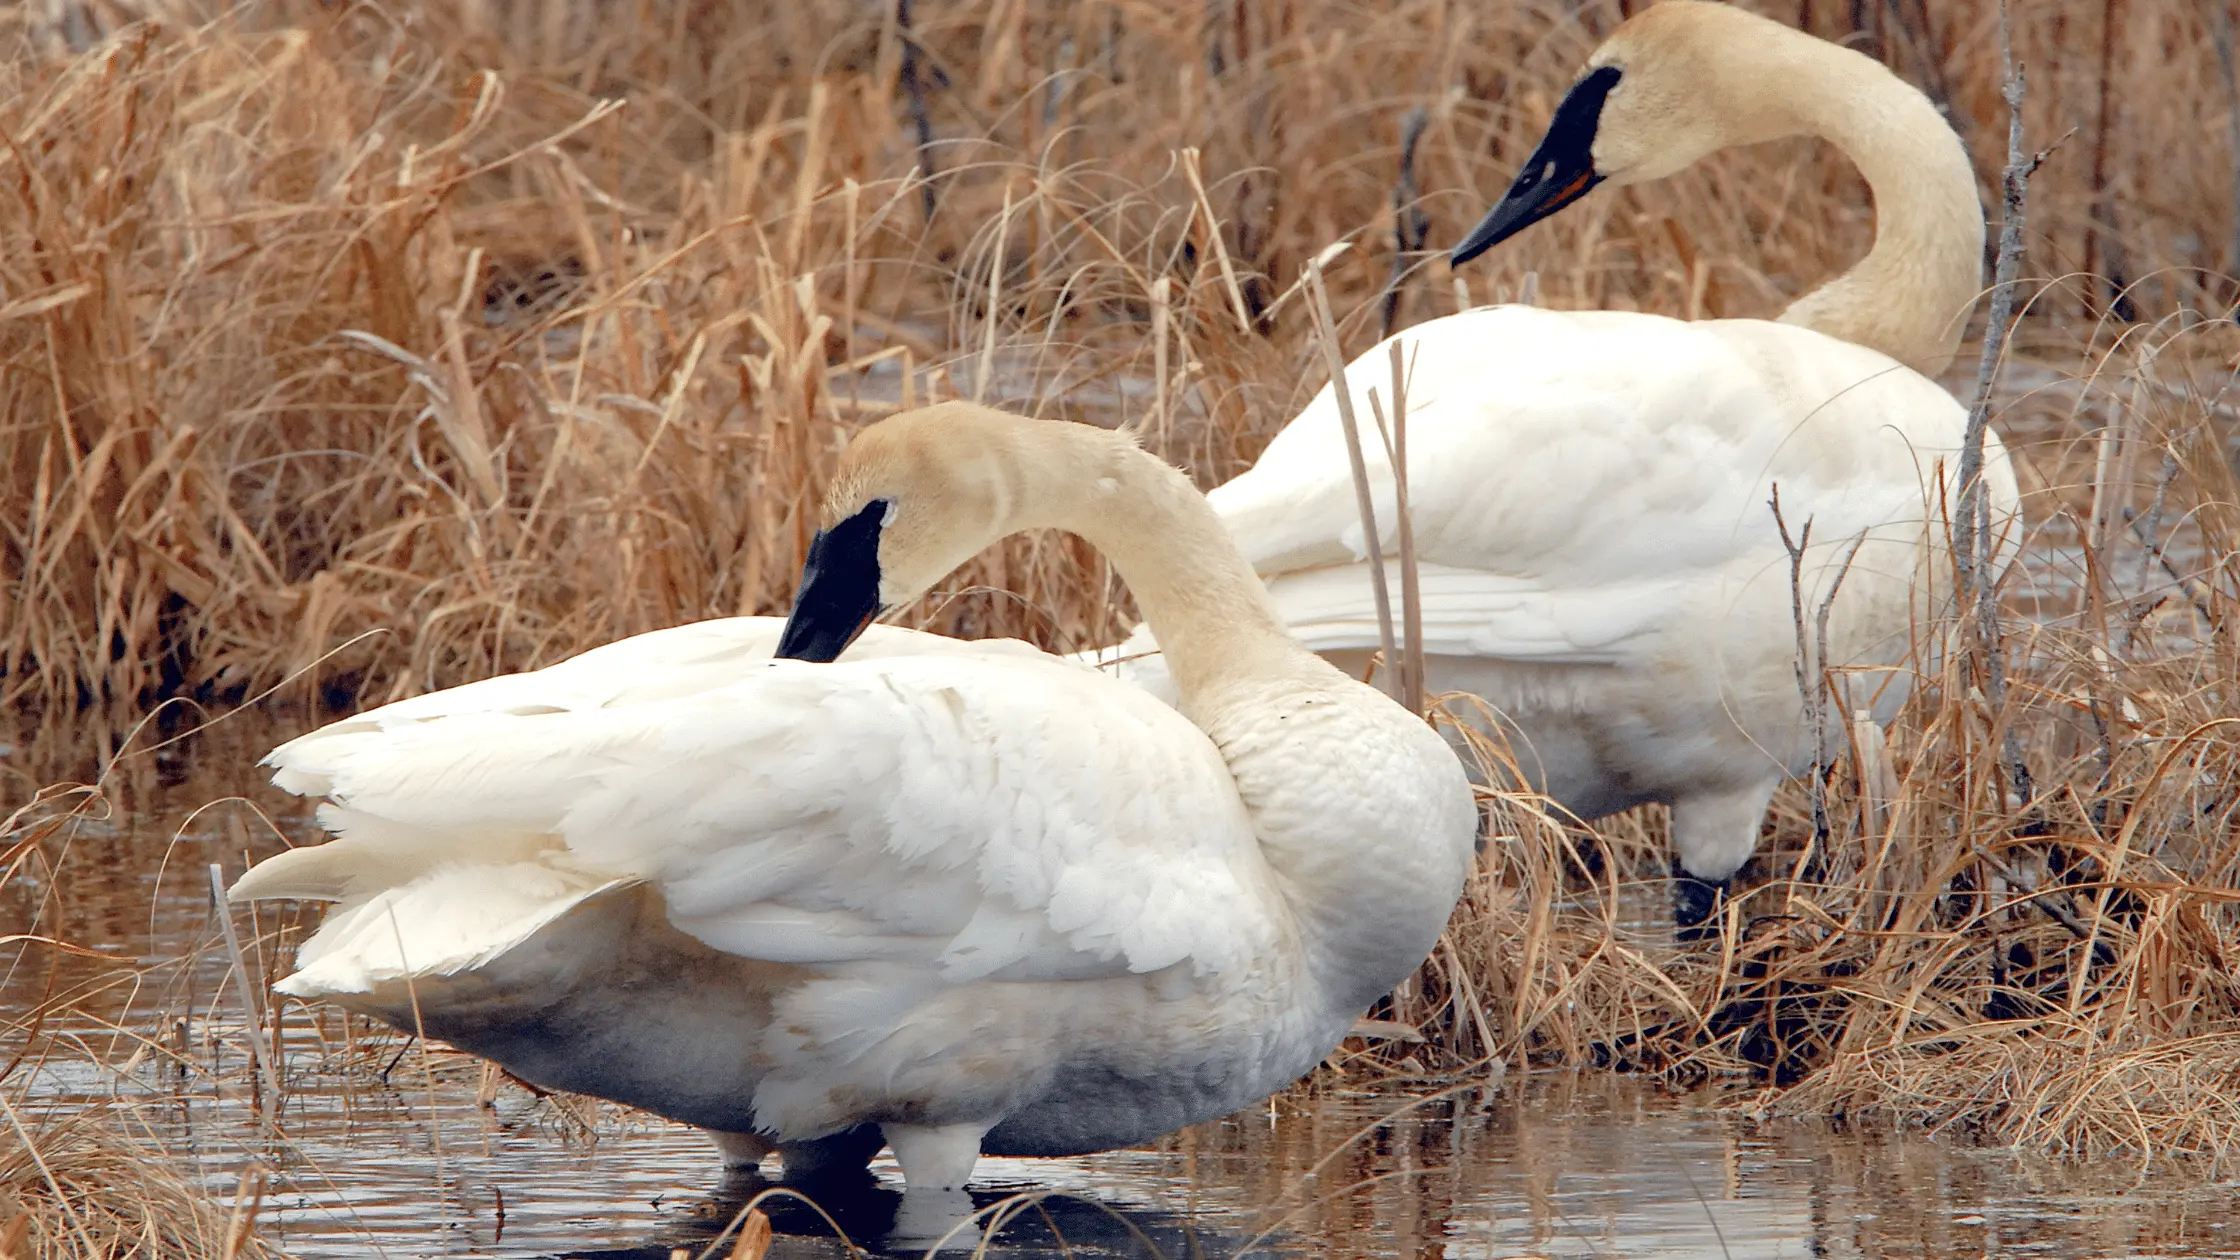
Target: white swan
[
  {"x": 1589, "y": 489},
  {"x": 980, "y": 897}
]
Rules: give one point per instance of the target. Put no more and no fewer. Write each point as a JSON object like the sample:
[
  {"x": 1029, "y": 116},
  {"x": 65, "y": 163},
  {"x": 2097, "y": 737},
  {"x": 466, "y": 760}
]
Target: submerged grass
[{"x": 358, "y": 350}]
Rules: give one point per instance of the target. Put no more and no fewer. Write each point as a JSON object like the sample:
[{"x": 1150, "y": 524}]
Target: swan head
[
  {"x": 915, "y": 496},
  {"x": 1660, "y": 94}
]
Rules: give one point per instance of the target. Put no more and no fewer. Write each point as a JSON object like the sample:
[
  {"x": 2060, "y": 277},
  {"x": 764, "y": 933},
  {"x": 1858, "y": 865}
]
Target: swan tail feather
[
  {"x": 321, "y": 872},
  {"x": 448, "y": 923}
]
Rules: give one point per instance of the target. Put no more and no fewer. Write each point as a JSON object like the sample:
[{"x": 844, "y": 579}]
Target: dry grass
[
  {"x": 94, "y": 1183},
  {"x": 370, "y": 346},
  {"x": 2056, "y": 972},
  {"x": 100, "y": 1175},
  {"x": 320, "y": 324}
]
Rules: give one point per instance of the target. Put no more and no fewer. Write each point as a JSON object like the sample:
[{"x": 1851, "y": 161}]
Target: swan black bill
[
  {"x": 1558, "y": 173},
  {"x": 839, "y": 593}
]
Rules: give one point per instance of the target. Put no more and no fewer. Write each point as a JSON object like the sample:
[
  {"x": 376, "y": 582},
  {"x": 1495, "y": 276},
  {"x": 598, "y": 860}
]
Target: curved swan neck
[
  {"x": 1909, "y": 297},
  {"x": 1209, "y": 611},
  {"x": 1363, "y": 814}
]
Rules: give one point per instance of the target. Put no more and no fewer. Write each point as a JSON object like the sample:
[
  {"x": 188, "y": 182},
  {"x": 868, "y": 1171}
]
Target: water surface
[{"x": 386, "y": 1147}]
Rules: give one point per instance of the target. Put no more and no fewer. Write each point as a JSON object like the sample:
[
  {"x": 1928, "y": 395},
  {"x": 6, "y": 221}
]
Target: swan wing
[
  {"x": 678, "y": 661},
  {"x": 987, "y": 812},
  {"x": 1471, "y": 612},
  {"x": 1574, "y": 475}
]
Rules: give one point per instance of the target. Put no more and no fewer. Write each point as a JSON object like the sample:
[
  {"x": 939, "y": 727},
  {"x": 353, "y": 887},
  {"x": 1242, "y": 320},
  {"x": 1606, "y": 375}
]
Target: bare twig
[
  {"x": 1795, "y": 545},
  {"x": 1820, "y": 685},
  {"x": 921, "y": 117},
  {"x": 2104, "y": 254},
  {"x": 2194, "y": 594},
  {"x": 2153, "y": 528},
  {"x": 2228, "y": 64},
  {"x": 1972, "y": 551},
  {"x": 1409, "y": 223},
  {"x": 1326, "y": 332},
  {"x": 2052, "y": 904},
  {"x": 1812, "y": 668}
]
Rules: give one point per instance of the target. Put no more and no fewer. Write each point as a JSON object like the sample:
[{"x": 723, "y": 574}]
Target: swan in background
[
  {"x": 1589, "y": 489},
  {"x": 956, "y": 897}
]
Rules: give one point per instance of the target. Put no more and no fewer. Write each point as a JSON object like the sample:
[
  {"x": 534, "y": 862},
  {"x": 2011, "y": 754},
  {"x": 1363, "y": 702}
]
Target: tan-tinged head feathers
[
  {"x": 920, "y": 493},
  {"x": 1685, "y": 78}
]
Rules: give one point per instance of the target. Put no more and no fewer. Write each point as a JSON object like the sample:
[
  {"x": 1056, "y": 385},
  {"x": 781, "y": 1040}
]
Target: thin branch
[
  {"x": 2154, "y": 516},
  {"x": 1812, "y": 669},
  {"x": 1410, "y": 226},
  {"x": 921, "y": 116},
  {"x": 2051, "y": 903},
  {"x": 1972, "y": 553},
  {"x": 1820, "y": 643},
  {"x": 1809, "y": 691},
  {"x": 2228, "y": 64},
  {"x": 2194, "y": 593},
  {"x": 2104, "y": 253}
]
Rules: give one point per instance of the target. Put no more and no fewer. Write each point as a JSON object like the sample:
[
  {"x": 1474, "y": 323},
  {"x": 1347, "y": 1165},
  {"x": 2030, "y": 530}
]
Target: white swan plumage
[
  {"x": 978, "y": 896},
  {"x": 1589, "y": 490}
]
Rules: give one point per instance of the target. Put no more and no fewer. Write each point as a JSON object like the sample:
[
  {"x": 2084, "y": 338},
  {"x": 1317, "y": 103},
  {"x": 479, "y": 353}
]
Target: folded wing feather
[
  {"x": 975, "y": 809},
  {"x": 1574, "y": 476}
]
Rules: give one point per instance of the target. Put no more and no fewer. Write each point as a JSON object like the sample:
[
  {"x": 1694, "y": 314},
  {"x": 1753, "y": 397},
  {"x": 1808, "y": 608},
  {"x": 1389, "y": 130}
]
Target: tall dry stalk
[
  {"x": 316, "y": 328},
  {"x": 1364, "y": 493}
]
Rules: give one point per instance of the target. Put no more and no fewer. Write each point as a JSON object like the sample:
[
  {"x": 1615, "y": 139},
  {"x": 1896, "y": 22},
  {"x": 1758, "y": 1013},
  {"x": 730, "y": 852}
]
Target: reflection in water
[{"x": 389, "y": 1149}]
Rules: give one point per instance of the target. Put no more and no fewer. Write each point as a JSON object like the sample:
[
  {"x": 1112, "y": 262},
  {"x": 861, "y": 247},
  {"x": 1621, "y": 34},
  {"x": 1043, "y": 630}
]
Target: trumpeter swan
[
  {"x": 1590, "y": 489},
  {"x": 981, "y": 897}
]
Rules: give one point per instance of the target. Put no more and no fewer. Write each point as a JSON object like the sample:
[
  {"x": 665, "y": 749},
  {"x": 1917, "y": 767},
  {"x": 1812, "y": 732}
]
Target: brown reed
[{"x": 379, "y": 354}]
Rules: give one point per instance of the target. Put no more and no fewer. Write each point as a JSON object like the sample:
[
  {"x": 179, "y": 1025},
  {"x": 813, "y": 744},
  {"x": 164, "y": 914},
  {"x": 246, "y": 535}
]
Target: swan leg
[
  {"x": 741, "y": 1150},
  {"x": 935, "y": 1219},
  {"x": 1695, "y": 905},
  {"x": 842, "y": 1153},
  {"x": 935, "y": 1156},
  {"x": 1716, "y": 832}
]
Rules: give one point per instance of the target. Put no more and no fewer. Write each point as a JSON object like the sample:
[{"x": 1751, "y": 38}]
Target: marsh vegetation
[{"x": 349, "y": 351}]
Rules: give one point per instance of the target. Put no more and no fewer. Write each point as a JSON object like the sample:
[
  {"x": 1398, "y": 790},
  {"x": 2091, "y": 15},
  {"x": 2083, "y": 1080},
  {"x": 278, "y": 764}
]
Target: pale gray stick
[{"x": 266, "y": 1070}]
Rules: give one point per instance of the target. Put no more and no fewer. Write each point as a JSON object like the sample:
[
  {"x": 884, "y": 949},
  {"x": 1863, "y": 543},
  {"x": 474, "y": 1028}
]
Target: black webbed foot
[{"x": 1695, "y": 906}]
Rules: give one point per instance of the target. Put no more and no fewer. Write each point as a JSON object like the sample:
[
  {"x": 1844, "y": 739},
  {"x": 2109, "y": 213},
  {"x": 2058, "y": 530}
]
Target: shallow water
[{"x": 384, "y": 1148}]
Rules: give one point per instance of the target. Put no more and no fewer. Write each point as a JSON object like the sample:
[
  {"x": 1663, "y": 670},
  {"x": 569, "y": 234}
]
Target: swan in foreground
[
  {"x": 1589, "y": 489},
  {"x": 982, "y": 898}
]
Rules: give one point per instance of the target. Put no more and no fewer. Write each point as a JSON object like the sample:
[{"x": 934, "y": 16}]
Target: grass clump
[
  {"x": 92, "y": 1183},
  {"x": 379, "y": 349}
]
